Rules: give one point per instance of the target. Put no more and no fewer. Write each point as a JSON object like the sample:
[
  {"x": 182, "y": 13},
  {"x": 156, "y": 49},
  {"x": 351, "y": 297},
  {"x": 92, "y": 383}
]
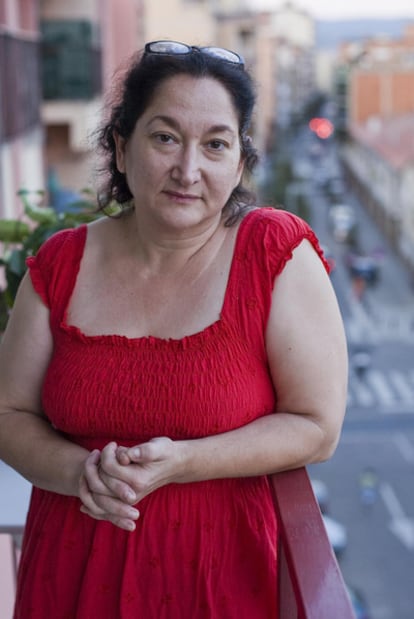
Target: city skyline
[{"x": 352, "y": 9}]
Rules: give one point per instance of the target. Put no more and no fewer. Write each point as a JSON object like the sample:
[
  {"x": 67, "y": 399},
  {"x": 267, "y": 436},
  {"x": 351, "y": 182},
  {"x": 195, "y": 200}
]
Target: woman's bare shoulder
[{"x": 105, "y": 230}]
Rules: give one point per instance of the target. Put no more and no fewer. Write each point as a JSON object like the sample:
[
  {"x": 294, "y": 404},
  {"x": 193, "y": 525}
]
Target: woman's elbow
[{"x": 330, "y": 434}]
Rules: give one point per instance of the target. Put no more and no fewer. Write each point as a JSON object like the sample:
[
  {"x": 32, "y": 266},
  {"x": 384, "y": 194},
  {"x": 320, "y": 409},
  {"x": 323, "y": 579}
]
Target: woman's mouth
[{"x": 181, "y": 197}]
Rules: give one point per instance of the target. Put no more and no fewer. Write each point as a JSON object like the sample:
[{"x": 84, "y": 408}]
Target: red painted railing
[{"x": 310, "y": 582}]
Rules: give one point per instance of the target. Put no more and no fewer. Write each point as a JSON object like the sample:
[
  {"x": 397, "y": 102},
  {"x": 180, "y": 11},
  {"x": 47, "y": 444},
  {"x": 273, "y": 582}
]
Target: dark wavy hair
[{"x": 133, "y": 95}]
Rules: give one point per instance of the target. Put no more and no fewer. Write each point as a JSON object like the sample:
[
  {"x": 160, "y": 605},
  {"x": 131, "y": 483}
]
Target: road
[{"x": 378, "y": 431}]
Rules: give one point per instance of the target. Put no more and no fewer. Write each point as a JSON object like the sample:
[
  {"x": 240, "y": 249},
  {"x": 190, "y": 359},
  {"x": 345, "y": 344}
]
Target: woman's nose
[{"x": 187, "y": 168}]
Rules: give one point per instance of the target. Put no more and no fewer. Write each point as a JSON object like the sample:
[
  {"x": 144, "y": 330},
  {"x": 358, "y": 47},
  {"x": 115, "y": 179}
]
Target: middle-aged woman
[{"x": 159, "y": 364}]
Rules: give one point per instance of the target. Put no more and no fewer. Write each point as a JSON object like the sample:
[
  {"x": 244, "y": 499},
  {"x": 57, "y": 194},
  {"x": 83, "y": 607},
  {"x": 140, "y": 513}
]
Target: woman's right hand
[{"x": 101, "y": 503}]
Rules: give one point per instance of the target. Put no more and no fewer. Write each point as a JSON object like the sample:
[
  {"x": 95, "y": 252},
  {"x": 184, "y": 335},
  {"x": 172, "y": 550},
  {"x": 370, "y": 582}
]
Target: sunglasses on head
[{"x": 175, "y": 48}]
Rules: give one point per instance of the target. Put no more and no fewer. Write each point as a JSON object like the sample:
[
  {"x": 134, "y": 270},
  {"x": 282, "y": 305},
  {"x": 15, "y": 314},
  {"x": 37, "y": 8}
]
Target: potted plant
[{"x": 22, "y": 238}]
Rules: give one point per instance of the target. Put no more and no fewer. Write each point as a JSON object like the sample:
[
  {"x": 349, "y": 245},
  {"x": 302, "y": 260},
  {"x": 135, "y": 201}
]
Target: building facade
[
  {"x": 379, "y": 155},
  {"x": 21, "y": 133},
  {"x": 69, "y": 53}
]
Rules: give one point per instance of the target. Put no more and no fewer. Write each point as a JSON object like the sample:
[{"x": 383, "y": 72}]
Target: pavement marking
[
  {"x": 362, "y": 394},
  {"x": 381, "y": 388},
  {"x": 390, "y": 391},
  {"x": 400, "y": 525},
  {"x": 405, "y": 447},
  {"x": 402, "y": 386},
  {"x": 378, "y": 325}
]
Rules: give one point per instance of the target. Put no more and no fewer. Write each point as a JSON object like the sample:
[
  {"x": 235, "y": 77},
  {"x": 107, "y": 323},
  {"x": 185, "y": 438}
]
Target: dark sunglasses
[{"x": 175, "y": 48}]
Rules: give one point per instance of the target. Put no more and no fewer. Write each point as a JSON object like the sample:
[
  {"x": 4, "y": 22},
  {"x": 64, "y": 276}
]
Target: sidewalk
[{"x": 15, "y": 492}]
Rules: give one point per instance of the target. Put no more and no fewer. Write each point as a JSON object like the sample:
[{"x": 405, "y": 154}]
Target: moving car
[
  {"x": 363, "y": 265},
  {"x": 343, "y": 222}
]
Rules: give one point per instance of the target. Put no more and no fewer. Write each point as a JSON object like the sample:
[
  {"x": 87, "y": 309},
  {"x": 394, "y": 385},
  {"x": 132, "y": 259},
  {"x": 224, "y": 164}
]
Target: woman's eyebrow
[{"x": 169, "y": 120}]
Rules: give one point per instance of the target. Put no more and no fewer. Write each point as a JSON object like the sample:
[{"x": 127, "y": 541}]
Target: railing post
[{"x": 308, "y": 570}]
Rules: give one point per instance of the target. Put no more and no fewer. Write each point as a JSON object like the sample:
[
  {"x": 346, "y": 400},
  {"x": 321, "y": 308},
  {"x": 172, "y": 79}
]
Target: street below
[{"x": 370, "y": 477}]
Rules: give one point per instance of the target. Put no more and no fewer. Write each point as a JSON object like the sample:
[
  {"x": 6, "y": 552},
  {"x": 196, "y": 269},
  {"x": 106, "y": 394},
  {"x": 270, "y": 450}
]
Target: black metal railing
[{"x": 71, "y": 60}]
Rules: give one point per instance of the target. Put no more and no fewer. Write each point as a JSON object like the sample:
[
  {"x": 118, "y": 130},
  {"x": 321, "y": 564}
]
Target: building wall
[
  {"x": 384, "y": 93},
  {"x": 294, "y": 24},
  {"x": 21, "y": 135},
  {"x": 70, "y": 125},
  {"x": 189, "y": 21},
  {"x": 121, "y": 28},
  {"x": 365, "y": 96},
  {"x": 403, "y": 92},
  {"x": 406, "y": 241},
  {"x": 251, "y": 35},
  {"x": 294, "y": 32}
]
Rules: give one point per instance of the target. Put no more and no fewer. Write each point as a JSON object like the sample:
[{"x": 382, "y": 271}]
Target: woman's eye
[
  {"x": 164, "y": 138},
  {"x": 216, "y": 144}
]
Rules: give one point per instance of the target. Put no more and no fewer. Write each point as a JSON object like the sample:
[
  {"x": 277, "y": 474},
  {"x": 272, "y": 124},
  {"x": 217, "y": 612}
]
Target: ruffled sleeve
[
  {"x": 283, "y": 232},
  {"x": 54, "y": 268},
  {"x": 266, "y": 240}
]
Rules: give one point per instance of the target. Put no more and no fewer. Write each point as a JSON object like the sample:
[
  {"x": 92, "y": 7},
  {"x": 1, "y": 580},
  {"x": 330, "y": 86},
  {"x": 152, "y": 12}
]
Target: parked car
[
  {"x": 336, "y": 531},
  {"x": 337, "y": 534},
  {"x": 320, "y": 490},
  {"x": 343, "y": 222}
]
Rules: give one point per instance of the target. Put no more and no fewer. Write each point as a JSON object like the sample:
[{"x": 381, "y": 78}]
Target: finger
[
  {"x": 103, "y": 507},
  {"x": 122, "y": 456},
  {"x": 115, "y": 476},
  {"x": 91, "y": 472},
  {"x": 156, "y": 449},
  {"x": 115, "y": 507},
  {"x": 88, "y": 503},
  {"x": 123, "y": 523}
]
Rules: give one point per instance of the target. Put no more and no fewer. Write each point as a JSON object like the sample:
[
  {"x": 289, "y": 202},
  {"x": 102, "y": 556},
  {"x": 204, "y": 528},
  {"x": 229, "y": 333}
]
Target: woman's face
[{"x": 183, "y": 159}]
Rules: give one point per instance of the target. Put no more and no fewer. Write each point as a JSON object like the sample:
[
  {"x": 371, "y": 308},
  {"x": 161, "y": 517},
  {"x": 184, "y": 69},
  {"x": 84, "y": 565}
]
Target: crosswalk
[
  {"x": 388, "y": 391},
  {"x": 380, "y": 324}
]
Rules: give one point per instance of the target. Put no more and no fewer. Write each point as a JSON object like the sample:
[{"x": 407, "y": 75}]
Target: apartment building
[
  {"x": 21, "y": 133},
  {"x": 294, "y": 33},
  {"x": 53, "y": 87},
  {"x": 84, "y": 42},
  {"x": 380, "y": 120}
]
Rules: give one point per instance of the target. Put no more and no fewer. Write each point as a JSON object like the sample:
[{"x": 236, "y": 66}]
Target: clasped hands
[{"x": 116, "y": 479}]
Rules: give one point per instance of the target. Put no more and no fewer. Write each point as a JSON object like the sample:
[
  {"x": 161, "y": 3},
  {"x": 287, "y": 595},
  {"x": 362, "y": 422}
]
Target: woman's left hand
[{"x": 124, "y": 476}]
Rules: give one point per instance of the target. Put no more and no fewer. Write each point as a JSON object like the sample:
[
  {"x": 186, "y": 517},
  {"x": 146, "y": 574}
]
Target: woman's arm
[
  {"x": 308, "y": 362},
  {"x": 28, "y": 442}
]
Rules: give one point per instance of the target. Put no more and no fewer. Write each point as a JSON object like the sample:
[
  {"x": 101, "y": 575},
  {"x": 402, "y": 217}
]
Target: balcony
[
  {"x": 71, "y": 60},
  {"x": 19, "y": 86},
  {"x": 310, "y": 583}
]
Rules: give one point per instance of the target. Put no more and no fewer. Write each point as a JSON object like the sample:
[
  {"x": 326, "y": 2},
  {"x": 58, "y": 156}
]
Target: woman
[{"x": 158, "y": 365}]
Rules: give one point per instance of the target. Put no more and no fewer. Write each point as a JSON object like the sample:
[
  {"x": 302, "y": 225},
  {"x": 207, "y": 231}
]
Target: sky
[{"x": 347, "y": 9}]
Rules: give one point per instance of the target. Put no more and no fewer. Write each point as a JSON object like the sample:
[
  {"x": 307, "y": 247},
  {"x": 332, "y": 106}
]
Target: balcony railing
[
  {"x": 71, "y": 60},
  {"x": 310, "y": 583}
]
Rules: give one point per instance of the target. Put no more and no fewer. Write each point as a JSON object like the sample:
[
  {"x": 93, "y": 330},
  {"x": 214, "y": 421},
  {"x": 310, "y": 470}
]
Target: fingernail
[
  {"x": 131, "y": 496},
  {"x": 136, "y": 452}
]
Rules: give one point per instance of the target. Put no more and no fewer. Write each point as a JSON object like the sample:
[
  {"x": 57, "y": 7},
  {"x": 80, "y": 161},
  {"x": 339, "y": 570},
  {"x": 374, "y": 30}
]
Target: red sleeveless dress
[{"x": 200, "y": 550}]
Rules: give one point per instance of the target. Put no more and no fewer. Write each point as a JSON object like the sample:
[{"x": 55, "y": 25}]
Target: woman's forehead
[{"x": 187, "y": 93}]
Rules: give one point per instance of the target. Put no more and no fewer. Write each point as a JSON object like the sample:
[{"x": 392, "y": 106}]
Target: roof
[{"x": 391, "y": 138}]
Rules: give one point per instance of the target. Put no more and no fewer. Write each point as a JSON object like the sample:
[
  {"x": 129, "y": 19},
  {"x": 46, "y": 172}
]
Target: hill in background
[{"x": 331, "y": 33}]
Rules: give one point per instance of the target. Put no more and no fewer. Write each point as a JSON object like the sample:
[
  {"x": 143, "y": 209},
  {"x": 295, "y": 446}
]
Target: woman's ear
[
  {"x": 119, "y": 152},
  {"x": 240, "y": 170}
]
